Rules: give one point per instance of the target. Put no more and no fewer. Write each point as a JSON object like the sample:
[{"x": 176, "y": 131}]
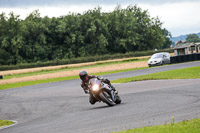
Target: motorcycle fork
[{"x": 111, "y": 93}]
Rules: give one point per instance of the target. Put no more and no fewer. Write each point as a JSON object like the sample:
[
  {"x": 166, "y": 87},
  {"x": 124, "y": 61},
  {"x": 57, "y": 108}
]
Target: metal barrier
[{"x": 185, "y": 58}]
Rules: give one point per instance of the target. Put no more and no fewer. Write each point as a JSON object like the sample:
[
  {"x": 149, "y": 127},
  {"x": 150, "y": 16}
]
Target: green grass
[
  {"x": 186, "y": 73},
  {"x": 5, "y": 123},
  {"x": 192, "y": 126},
  {"x": 71, "y": 68},
  {"x": 21, "y": 84}
]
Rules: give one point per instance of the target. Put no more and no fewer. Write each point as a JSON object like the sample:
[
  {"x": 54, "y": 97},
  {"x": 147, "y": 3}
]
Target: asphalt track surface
[{"x": 62, "y": 107}]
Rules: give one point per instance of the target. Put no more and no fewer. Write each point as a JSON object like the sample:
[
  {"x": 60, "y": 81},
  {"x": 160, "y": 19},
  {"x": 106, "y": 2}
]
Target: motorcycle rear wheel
[{"x": 118, "y": 100}]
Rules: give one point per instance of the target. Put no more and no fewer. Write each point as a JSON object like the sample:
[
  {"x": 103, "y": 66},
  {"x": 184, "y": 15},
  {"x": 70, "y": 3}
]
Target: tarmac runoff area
[{"x": 63, "y": 106}]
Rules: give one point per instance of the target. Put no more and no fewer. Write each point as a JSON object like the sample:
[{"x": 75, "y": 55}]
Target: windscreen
[
  {"x": 95, "y": 81},
  {"x": 156, "y": 56}
]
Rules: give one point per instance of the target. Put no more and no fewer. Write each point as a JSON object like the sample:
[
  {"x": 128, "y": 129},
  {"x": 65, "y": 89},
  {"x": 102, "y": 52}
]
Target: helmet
[{"x": 83, "y": 75}]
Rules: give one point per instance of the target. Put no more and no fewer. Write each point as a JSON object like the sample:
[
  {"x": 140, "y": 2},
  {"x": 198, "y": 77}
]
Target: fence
[{"x": 185, "y": 58}]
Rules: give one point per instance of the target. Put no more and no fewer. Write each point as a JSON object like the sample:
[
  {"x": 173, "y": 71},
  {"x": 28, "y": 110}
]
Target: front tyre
[
  {"x": 162, "y": 63},
  {"x": 105, "y": 97}
]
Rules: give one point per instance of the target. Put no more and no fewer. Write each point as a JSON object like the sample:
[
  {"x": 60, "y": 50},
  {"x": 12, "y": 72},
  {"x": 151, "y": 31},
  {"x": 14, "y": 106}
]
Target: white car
[{"x": 159, "y": 59}]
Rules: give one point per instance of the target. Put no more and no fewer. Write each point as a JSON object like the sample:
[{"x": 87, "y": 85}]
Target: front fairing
[
  {"x": 94, "y": 82},
  {"x": 102, "y": 87},
  {"x": 106, "y": 86}
]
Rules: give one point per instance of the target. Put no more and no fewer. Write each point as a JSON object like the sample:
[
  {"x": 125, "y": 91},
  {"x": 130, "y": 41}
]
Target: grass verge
[
  {"x": 5, "y": 123},
  {"x": 192, "y": 126},
  {"x": 186, "y": 73},
  {"x": 21, "y": 84}
]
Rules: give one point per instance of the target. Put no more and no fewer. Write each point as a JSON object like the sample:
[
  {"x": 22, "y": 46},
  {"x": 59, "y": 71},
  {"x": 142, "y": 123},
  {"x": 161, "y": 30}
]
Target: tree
[
  {"x": 193, "y": 38},
  {"x": 11, "y": 37},
  {"x": 35, "y": 48},
  {"x": 167, "y": 35}
]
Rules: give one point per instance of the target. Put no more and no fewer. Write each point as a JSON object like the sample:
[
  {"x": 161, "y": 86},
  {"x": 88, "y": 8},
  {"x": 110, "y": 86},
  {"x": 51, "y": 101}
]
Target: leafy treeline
[
  {"x": 192, "y": 38},
  {"x": 93, "y": 33}
]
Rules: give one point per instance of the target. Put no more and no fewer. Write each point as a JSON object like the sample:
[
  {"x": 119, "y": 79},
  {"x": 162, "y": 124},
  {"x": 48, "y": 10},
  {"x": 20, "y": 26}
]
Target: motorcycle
[{"x": 103, "y": 92}]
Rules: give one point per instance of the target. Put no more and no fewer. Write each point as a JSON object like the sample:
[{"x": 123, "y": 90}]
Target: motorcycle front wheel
[{"x": 106, "y": 98}]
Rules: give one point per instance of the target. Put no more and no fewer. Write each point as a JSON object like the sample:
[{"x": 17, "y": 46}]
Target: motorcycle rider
[{"x": 85, "y": 82}]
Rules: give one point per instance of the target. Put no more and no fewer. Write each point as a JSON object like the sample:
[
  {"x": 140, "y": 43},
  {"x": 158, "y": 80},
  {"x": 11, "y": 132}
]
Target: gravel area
[
  {"x": 72, "y": 72},
  {"x": 9, "y": 72}
]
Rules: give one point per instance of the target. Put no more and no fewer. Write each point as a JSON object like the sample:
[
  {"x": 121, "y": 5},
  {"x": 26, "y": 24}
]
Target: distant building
[
  {"x": 186, "y": 48},
  {"x": 178, "y": 42},
  {"x": 198, "y": 47}
]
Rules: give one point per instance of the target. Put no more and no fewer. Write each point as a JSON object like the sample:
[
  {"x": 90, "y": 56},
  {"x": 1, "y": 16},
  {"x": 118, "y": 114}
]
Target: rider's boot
[{"x": 92, "y": 99}]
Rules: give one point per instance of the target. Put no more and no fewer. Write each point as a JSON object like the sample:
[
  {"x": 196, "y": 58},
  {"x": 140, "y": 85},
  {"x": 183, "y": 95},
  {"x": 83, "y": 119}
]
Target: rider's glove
[
  {"x": 99, "y": 77},
  {"x": 107, "y": 81},
  {"x": 86, "y": 91}
]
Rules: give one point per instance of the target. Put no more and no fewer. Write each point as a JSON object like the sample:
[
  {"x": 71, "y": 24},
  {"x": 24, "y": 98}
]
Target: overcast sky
[{"x": 179, "y": 16}]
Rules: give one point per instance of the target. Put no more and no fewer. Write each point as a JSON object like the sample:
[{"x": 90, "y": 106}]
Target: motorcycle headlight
[{"x": 95, "y": 87}]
